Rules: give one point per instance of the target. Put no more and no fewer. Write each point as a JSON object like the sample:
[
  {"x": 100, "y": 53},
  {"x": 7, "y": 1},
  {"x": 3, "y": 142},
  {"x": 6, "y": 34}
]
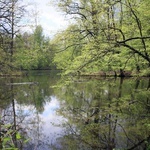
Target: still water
[{"x": 51, "y": 113}]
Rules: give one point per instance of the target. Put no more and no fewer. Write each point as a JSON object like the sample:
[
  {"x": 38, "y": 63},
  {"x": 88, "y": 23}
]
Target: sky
[{"x": 51, "y": 19}]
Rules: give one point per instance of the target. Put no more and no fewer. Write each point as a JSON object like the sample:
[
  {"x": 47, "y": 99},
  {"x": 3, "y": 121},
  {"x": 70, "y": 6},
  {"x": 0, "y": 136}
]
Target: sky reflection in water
[
  {"x": 50, "y": 117},
  {"x": 46, "y": 131}
]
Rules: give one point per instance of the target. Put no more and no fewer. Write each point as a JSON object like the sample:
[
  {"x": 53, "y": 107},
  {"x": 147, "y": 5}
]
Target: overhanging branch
[
  {"x": 134, "y": 50},
  {"x": 134, "y": 38}
]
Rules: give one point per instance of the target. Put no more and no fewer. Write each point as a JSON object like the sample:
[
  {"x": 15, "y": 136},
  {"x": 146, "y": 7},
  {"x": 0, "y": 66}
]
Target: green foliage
[
  {"x": 33, "y": 51},
  {"x": 106, "y": 35},
  {"x": 7, "y": 138},
  {"x": 38, "y": 36}
]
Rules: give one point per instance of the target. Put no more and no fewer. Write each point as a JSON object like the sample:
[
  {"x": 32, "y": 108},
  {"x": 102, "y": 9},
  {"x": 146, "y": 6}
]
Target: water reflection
[
  {"x": 28, "y": 109},
  {"x": 106, "y": 114},
  {"x": 43, "y": 132},
  {"x": 86, "y": 114}
]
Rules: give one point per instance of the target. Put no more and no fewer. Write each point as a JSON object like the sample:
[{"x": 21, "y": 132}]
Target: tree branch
[
  {"x": 134, "y": 38},
  {"x": 134, "y": 50},
  {"x": 139, "y": 143}
]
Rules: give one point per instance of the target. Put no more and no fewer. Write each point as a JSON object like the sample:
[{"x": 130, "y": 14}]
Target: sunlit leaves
[{"x": 109, "y": 34}]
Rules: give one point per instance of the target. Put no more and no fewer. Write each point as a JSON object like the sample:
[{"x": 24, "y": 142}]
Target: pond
[{"x": 43, "y": 111}]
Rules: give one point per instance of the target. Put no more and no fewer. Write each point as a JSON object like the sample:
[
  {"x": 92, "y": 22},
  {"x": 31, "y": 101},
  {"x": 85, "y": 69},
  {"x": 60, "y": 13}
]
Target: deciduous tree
[{"x": 113, "y": 34}]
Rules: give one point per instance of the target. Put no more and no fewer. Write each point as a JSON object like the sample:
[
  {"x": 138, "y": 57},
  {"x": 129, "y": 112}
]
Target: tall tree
[
  {"x": 33, "y": 50},
  {"x": 11, "y": 13}
]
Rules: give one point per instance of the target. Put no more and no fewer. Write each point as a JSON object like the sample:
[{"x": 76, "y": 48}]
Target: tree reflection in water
[
  {"x": 22, "y": 109},
  {"x": 94, "y": 114},
  {"x": 106, "y": 114}
]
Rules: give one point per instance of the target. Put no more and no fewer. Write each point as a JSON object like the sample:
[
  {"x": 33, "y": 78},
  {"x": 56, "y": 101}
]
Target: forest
[{"x": 104, "y": 37}]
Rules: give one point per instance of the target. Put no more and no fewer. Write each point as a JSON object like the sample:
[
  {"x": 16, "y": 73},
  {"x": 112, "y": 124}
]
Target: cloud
[{"x": 47, "y": 16}]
